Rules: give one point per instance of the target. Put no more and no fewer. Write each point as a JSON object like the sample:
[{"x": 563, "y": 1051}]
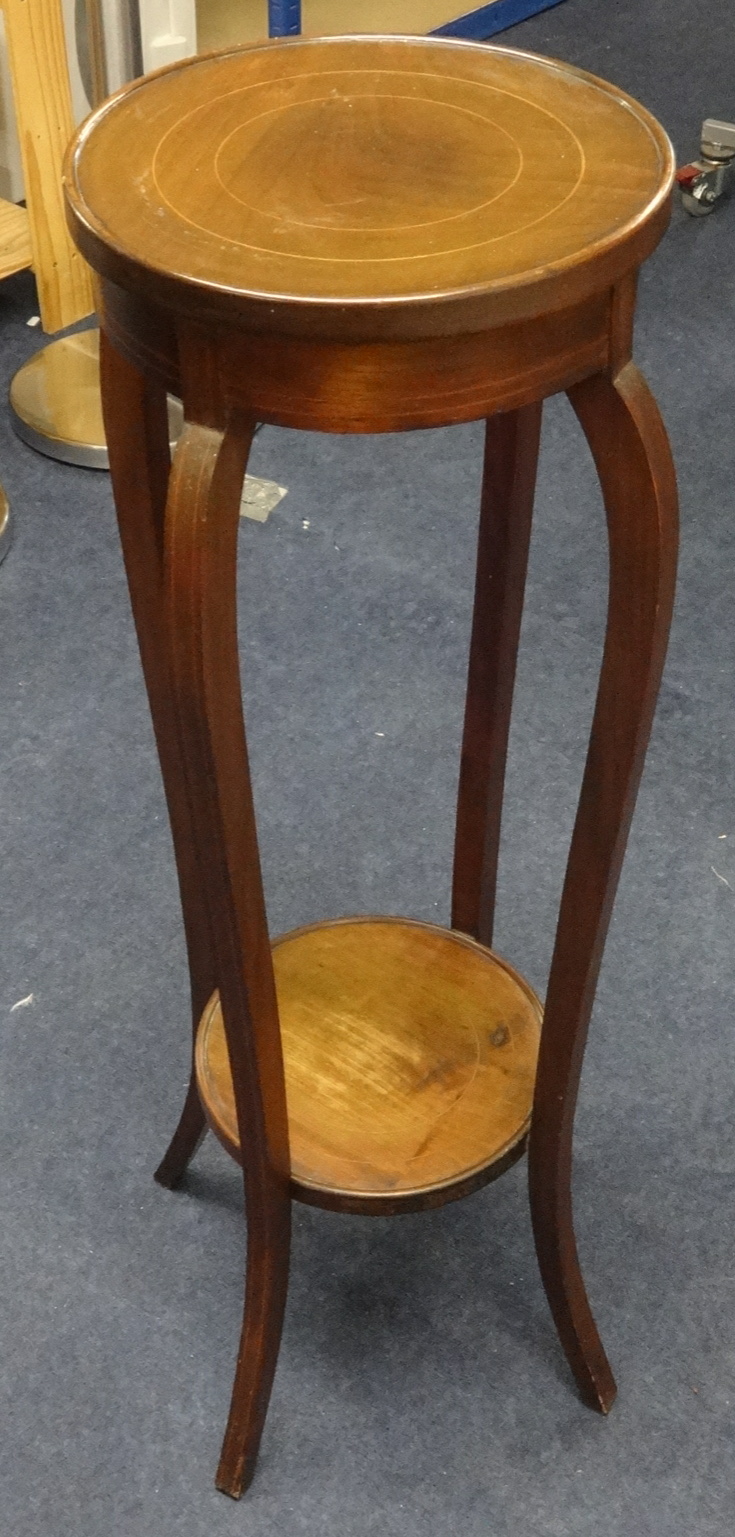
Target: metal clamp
[{"x": 704, "y": 183}]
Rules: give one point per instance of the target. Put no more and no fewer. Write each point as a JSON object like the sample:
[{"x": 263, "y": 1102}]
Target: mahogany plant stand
[{"x": 373, "y": 235}]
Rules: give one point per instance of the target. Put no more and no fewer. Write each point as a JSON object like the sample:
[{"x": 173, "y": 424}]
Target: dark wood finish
[
  {"x": 506, "y": 510},
  {"x": 386, "y": 386},
  {"x": 136, "y": 425},
  {"x": 462, "y": 242},
  {"x": 449, "y": 187},
  {"x": 628, "y": 440},
  {"x": 202, "y": 520}
]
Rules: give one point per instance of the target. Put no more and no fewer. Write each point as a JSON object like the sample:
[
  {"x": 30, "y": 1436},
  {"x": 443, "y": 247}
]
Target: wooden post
[{"x": 40, "y": 74}]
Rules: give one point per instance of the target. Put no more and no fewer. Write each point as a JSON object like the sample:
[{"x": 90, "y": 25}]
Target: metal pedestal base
[{"x": 55, "y": 402}]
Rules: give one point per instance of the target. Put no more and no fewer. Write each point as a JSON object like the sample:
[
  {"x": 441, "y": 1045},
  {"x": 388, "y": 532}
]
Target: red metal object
[{"x": 688, "y": 174}]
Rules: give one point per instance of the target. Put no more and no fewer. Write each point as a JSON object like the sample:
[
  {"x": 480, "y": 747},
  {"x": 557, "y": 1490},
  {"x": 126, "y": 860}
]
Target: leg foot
[
  {"x": 188, "y": 1136},
  {"x": 265, "y": 1300}
]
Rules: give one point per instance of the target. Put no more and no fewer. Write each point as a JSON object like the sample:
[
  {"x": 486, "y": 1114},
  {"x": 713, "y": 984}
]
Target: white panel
[
  {"x": 11, "y": 176},
  {"x": 117, "y": 42},
  {"x": 79, "y": 102},
  {"x": 168, "y": 30}
]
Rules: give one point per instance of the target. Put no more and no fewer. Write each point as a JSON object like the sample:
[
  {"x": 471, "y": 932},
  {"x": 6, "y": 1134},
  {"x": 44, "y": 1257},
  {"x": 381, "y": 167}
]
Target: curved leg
[
  {"x": 190, "y": 1131},
  {"x": 509, "y": 480},
  {"x": 136, "y": 426},
  {"x": 202, "y": 518},
  {"x": 629, "y": 444}
]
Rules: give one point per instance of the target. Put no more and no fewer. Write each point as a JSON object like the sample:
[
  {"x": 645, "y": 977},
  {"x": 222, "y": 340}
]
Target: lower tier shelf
[{"x": 410, "y": 1058}]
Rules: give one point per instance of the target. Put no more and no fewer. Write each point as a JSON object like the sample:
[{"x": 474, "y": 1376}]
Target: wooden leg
[
  {"x": 202, "y": 519},
  {"x": 509, "y": 480},
  {"x": 266, "y": 1285},
  {"x": 629, "y": 444},
  {"x": 136, "y": 426},
  {"x": 188, "y": 1136}
]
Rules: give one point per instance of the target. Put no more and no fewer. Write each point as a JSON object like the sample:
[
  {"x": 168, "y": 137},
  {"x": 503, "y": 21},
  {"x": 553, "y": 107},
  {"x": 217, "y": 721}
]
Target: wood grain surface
[
  {"x": 15, "y": 239},
  {"x": 364, "y": 235},
  {"x": 42, "y": 96},
  {"x": 410, "y": 1059},
  {"x": 369, "y": 172}
]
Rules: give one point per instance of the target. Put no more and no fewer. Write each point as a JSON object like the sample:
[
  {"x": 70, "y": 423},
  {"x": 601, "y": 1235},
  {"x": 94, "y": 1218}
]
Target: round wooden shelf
[{"x": 410, "y": 1059}]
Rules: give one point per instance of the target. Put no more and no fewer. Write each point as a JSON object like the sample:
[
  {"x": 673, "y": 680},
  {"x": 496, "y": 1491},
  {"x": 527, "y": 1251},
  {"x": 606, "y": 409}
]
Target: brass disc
[
  {"x": 410, "y": 1058},
  {"x": 56, "y": 406}
]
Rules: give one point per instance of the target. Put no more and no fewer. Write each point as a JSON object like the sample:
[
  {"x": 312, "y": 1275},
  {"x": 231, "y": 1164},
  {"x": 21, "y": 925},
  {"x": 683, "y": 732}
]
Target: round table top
[{"x": 324, "y": 174}]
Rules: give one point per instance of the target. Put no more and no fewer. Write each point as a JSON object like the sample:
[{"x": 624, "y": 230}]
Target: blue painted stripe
[
  {"x": 493, "y": 18},
  {"x": 284, "y": 18}
]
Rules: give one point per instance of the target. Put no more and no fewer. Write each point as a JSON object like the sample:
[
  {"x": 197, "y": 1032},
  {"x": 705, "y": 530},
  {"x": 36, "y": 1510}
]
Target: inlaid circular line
[
  {"x": 382, "y": 260},
  {"x": 143, "y": 185},
  {"x": 359, "y": 229},
  {"x": 476, "y": 245}
]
